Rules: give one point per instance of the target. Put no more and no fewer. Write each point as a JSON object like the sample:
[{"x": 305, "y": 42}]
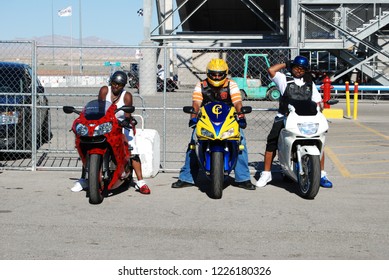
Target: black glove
[
  {"x": 128, "y": 122},
  {"x": 193, "y": 122},
  {"x": 242, "y": 122},
  {"x": 125, "y": 123},
  {"x": 134, "y": 122},
  {"x": 288, "y": 65}
]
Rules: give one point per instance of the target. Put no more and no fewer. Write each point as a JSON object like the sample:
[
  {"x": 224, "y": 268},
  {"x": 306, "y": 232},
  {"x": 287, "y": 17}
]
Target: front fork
[
  {"x": 298, "y": 152},
  {"x": 305, "y": 150},
  {"x": 105, "y": 166}
]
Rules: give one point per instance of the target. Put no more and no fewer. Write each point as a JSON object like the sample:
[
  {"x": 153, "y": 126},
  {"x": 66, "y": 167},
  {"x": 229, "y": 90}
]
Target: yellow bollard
[
  {"x": 348, "y": 100},
  {"x": 355, "y": 100}
]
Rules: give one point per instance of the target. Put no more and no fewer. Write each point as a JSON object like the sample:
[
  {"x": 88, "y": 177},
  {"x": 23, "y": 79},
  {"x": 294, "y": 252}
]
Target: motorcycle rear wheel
[
  {"x": 309, "y": 183},
  {"x": 217, "y": 175},
  {"x": 95, "y": 179}
]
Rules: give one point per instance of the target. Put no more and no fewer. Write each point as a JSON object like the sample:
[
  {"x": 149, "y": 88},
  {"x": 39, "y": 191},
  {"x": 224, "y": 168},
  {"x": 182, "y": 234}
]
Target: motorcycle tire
[
  {"x": 217, "y": 175},
  {"x": 309, "y": 183},
  {"x": 95, "y": 179}
]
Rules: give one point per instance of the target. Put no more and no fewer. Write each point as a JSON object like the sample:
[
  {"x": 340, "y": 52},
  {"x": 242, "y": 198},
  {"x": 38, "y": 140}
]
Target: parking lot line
[
  {"x": 340, "y": 154},
  {"x": 372, "y": 130},
  {"x": 336, "y": 161}
]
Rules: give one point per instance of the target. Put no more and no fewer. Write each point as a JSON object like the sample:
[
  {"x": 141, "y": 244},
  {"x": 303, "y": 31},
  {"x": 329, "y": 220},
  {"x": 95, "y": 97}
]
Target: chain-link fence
[
  {"x": 73, "y": 76},
  {"x": 24, "y": 111},
  {"x": 34, "y": 131}
]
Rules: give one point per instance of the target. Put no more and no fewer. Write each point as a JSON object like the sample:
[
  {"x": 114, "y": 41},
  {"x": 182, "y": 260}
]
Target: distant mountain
[{"x": 67, "y": 41}]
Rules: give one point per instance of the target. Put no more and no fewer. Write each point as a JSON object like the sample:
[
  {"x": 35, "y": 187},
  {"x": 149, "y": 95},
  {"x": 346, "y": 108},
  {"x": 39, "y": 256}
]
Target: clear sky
[{"x": 114, "y": 20}]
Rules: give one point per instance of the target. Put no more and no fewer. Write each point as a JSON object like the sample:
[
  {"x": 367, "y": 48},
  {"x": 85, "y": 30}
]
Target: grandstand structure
[{"x": 339, "y": 36}]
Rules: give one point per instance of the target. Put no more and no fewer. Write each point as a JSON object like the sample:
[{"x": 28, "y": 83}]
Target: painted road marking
[{"x": 344, "y": 166}]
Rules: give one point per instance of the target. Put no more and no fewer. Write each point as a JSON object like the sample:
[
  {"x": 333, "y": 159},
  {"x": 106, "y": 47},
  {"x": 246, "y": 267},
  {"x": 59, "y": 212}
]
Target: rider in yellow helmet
[
  {"x": 217, "y": 70},
  {"x": 216, "y": 87}
]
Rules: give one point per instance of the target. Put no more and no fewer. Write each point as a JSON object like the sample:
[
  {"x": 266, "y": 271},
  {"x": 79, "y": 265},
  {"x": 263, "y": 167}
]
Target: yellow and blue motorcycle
[{"x": 217, "y": 142}]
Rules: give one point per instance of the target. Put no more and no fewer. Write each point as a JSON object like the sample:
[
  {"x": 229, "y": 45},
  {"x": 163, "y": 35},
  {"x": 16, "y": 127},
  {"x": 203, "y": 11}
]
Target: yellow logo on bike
[{"x": 216, "y": 110}]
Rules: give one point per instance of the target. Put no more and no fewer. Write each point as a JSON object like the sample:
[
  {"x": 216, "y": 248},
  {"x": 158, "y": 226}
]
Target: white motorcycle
[{"x": 301, "y": 145}]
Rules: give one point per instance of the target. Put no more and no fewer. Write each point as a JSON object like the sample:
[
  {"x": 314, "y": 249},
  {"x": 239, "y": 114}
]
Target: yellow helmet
[{"x": 217, "y": 70}]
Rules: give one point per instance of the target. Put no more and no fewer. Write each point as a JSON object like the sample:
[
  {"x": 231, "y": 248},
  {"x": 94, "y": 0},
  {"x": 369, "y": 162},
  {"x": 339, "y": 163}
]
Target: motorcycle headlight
[
  {"x": 207, "y": 133},
  {"x": 228, "y": 133},
  {"x": 11, "y": 117},
  {"x": 102, "y": 129},
  {"x": 308, "y": 128},
  {"x": 81, "y": 130}
]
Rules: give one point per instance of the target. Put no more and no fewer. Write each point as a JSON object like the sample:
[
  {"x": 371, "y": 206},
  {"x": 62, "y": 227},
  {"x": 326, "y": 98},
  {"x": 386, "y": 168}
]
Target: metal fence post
[{"x": 33, "y": 109}]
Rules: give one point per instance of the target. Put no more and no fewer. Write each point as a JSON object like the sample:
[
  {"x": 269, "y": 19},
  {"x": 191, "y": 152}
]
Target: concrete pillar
[
  {"x": 148, "y": 69},
  {"x": 147, "y": 62}
]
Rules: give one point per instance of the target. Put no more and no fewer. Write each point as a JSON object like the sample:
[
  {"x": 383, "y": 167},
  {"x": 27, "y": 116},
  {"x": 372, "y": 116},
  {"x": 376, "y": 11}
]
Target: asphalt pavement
[{"x": 41, "y": 219}]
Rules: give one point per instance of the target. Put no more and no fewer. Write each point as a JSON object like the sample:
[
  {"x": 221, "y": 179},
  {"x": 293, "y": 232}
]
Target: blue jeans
[{"x": 190, "y": 170}]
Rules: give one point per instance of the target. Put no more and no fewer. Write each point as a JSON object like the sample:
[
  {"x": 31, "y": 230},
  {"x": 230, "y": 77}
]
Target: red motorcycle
[{"x": 102, "y": 146}]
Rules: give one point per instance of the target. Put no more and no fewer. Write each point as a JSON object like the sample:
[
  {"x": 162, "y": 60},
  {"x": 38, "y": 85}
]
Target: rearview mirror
[
  {"x": 246, "y": 109},
  {"x": 68, "y": 109},
  {"x": 332, "y": 101},
  {"x": 189, "y": 110},
  {"x": 127, "y": 109}
]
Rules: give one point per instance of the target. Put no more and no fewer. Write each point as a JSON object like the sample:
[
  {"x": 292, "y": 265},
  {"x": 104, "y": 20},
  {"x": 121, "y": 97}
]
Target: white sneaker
[
  {"x": 264, "y": 179},
  {"x": 79, "y": 185}
]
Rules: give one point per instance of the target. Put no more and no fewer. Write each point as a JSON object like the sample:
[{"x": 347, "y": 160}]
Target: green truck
[{"x": 255, "y": 84}]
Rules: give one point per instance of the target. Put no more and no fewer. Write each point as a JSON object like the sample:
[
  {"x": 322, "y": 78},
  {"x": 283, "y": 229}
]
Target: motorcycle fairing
[
  {"x": 290, "y": 137},
  {"x": 95, "y": 113},
  {"x": 217, "y": 118}
]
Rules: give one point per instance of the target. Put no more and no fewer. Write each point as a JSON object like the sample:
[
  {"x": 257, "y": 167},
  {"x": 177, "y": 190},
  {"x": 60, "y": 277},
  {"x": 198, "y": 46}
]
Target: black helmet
[{"x": 119, "y": 77}]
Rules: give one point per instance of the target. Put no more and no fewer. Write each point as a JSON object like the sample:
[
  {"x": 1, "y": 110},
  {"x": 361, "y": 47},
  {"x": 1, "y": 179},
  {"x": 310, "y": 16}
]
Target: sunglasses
[
  {"x": 299, "y": 68},
  {"x": 116, "y": 84}
]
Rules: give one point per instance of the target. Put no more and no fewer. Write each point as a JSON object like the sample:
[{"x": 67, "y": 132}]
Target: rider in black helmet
[
  {"x": 116, "y": 94},
  {"x": 119, "y": 77}
]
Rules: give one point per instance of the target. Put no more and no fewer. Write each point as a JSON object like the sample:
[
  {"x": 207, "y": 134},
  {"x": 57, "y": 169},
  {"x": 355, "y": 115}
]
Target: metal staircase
[
  {"x": 354, "y": 38},
  {"x": 356, "y": 31},
  {"x": 370, "y": 27}
]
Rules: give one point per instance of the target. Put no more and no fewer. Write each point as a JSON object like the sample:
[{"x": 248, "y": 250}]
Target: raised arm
[{"x": 272, "y": 70}]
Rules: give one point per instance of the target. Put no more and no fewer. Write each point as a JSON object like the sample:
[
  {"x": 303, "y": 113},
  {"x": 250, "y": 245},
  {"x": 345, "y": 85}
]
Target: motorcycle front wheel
[
  {"x": 309, "y": 183},
  {"x": 95, "y": 179},
  {"x": 217, "y": 175}
]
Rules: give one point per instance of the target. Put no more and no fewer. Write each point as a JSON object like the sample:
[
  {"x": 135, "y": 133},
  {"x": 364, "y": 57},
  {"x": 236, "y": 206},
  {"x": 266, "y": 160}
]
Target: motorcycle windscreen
[
  {"x": 304, "y": 107},
  {"x": 96, "y": 109},
  {"x": 217, "y": 113}
]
